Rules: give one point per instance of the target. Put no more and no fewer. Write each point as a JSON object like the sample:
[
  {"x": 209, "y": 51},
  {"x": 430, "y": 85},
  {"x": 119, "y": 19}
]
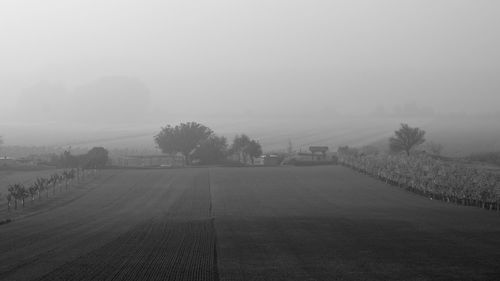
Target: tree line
[
  {"x": 43, "y": 186},
  {"x": 197, "y": 142},
  {"x": 95, "y": 158}
]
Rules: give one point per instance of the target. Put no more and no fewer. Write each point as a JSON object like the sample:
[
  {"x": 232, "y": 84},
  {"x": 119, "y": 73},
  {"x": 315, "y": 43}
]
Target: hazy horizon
[{"x": 136, "y": 65}]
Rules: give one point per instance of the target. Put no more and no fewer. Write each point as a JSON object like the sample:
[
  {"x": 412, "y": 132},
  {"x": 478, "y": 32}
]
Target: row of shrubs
[
  {"x": 423, "y": 174},
  {"x": 19, "y": 193}
]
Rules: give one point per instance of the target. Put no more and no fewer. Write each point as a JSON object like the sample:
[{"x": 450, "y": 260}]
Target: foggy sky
[{"x": 259, "y": 57}]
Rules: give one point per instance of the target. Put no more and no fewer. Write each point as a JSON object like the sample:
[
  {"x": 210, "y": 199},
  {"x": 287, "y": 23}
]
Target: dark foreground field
[{"x": 284, "y": 223}]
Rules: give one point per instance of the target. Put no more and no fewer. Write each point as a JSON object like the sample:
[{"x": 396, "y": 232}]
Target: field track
[{"x": 283, "y": 223}]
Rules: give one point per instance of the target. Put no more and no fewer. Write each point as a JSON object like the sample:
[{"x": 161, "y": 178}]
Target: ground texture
[{"x": 283, "y": 223}]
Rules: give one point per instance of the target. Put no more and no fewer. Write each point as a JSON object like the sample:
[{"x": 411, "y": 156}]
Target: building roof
[{"x": 318, "y": 148}]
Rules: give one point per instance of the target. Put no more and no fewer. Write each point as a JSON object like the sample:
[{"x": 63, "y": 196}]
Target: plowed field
[
  {"x": 283, "y": 223},
  {"x": 134, "y": 225}
]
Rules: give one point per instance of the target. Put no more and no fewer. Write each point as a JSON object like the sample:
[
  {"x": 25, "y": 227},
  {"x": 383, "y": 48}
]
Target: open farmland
[
  {"x": 283, "y": 223},
  {"x": 460, "y": 136},
  {"x": 136, "y": 225}
]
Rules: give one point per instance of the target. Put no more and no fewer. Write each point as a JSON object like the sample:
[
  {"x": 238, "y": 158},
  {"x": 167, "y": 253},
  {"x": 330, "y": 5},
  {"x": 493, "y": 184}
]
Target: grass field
[{"x": 283, "y": 223}]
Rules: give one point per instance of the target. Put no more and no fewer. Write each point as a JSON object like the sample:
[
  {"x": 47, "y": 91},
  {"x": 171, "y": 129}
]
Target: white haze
[{"x": 139, "y": 64}]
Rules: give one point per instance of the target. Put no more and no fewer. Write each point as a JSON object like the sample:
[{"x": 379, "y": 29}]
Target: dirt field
[{"x": 283, "y": 223}]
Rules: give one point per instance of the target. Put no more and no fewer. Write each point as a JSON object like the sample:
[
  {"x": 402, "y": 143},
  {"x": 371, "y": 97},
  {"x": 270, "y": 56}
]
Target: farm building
[
  {"x": 268, "y": 160},
  {"x": 239, "y": 158},
  {"x": 162, "y": 160},
  {"x": 304, "y": 156},
  {"x": 8, "y": 162},
  {"x": 317, "y": 154},
  {"x": 263, "y": 160}
]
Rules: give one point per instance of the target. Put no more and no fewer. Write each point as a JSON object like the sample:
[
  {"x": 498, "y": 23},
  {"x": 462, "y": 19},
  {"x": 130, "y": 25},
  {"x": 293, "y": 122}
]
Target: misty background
[{"x": 80, "y": 73}]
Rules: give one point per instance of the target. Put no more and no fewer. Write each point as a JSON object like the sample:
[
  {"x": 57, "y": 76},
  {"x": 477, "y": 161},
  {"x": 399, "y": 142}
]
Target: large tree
[
  {"x": 97, "y": 157},
  {"x": 253, "y": 149},
  {"x": 212, "y": 150},
  {"x": 238, "y": 146},
  {"x": 406, "y": 138},
  {"x": 183, "y": 138},
  {"x": 246, "y": 147}
]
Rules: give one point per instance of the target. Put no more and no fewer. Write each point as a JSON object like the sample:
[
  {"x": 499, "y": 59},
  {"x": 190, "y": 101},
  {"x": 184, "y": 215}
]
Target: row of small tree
[{"x": 19, "y": 193}]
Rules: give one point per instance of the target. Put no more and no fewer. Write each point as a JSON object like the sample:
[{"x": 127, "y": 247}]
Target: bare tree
[
  {"x": 54, "y": 180},
  {"x": 12, "y": 195},
  {"x": 23, "y": 193},
  {"x": 406, "y": 138},
  {"x": 40, "y": 184},
  {"x": 9, "y": 201},
  {"x": 18, "y": 192},
  {"x": 33, "y": 189}
]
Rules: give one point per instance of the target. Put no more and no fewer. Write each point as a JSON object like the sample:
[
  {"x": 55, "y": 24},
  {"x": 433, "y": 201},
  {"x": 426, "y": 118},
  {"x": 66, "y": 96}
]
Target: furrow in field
[
  {"x": 153, "y": 251},
  {"x": 107, "y": 218},
  {"x": 176, "y": 243}
]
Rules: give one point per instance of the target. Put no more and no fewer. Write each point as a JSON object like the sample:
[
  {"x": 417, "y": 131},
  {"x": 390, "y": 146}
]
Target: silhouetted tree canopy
[
  {"x": 183, "y": 138},
  {"x": 406, "y": 138},
  {"x": 238, "y": 146},
  {"x": 246, "y": 147},
  {"x": 253, "y": 149},
  {"x": 212, "y": 150},
  {"x": 97, "y": 157}
]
